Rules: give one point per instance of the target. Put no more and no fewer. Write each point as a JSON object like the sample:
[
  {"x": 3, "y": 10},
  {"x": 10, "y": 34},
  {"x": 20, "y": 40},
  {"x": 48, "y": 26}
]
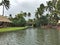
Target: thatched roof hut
[{"x": 4, "y": 19}]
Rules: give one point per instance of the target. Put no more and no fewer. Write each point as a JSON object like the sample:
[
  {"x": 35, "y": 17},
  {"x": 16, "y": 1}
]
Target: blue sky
[{"x": 23, "y": 5}]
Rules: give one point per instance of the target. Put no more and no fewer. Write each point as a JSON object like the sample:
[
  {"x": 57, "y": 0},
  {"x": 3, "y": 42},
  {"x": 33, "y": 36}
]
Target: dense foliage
[
  {"x": 18, "y": 20},
  {"x": 51, "y": 17}
]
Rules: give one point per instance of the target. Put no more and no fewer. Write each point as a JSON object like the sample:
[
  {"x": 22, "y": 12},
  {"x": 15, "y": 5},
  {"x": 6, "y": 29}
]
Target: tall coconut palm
[
  {"x": 50, "y": 6},
  {"x": 40, "y": 11},
  {"x": 54, "y": 8},
  {"x": 56, "y": 3},
  {"x": 6, "y": 4},
  {"x": 36, "y": 15}
]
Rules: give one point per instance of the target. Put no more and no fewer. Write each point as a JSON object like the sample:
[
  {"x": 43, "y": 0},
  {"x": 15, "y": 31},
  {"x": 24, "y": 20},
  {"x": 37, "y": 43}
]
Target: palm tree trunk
[{"x": 3, "y": 11}]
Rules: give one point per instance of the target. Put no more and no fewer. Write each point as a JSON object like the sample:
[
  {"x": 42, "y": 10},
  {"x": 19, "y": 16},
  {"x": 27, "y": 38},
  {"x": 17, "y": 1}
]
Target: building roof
[{"x": 4, "y": 19}]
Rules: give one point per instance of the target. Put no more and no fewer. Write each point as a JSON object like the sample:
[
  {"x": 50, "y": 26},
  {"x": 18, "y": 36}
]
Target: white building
[{"x": 58, "y": 21}]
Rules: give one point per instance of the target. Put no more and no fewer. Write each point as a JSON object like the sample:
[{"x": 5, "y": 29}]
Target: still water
[{"x": 31, "y": 36}]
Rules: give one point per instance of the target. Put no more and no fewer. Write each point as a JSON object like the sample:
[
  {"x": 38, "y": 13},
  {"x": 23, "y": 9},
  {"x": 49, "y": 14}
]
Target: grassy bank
[{"x": 12, "y": 29}]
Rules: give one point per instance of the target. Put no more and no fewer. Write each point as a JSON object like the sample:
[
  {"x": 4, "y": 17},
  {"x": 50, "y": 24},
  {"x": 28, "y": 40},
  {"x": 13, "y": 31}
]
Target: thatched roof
[{"x": 4, "y": 19}]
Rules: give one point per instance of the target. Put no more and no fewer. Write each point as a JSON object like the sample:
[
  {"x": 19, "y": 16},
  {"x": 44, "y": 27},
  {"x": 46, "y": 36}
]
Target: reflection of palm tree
[{"x": 5, "y": 3}]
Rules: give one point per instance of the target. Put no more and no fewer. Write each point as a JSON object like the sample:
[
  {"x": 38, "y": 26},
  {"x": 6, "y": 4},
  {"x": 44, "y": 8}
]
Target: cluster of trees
[
  {"x": 53, "y": 13},
  {"x": 19, "y": 19},
  {"x": 52, "y": 16}
]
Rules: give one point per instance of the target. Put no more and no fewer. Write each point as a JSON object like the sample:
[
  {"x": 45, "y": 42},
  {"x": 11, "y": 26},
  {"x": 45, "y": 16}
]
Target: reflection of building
[{"x": 4, "y": 22}]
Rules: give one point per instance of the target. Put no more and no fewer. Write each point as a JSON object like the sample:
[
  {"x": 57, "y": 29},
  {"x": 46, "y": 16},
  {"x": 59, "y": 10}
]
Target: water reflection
[
  {"x": 51, "y": 37},
  {"x": 40, "y": 37},
  {"x": 31, "y": 36},
  {"x": 12, "y": 38}
]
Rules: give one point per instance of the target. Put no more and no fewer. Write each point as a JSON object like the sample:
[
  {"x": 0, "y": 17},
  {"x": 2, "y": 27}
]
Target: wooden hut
[{"x": 4, "y": 21}]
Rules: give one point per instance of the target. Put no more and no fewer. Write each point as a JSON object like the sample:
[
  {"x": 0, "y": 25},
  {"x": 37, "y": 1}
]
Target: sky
[{"x": 16, "y": 6}]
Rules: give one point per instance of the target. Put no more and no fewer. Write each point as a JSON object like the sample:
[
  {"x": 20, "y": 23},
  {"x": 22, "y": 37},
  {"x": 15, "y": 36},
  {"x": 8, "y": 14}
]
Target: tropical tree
[
  {"x": 58, "y": 5},
  {"x": 36, "y": 15},
  {"x": 25, "y": 14},
  {"x": 49, "y": 6},
  {"x": 53, "y": 8},
  {"x": 40, "y": 11},
  {"x": 10, "y": 17},
  {"x": 54, "y": 2},
  {"x": 19, "y": 20},
  {"x": 6, "y": 4},
  {"x": 29, "y": 14}
]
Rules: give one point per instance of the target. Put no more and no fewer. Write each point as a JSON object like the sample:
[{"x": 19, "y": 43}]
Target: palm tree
[
  {"x": 40, "y": 11},
  {"x": 10, "y": 16},
  {"x": 29, "y": 14},
  {"x": 25, "y": 14},
  {"x": 54, "y": 2},
  {"x": 54, "y": 9},
  {"x": 36, "y": 15},
  {"x": 50, "y": 6},
  {"x": 6, "y": 4}
]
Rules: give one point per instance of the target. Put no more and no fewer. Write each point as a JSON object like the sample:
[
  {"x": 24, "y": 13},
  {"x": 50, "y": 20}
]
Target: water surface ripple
[{"x": 31, "y": 36}]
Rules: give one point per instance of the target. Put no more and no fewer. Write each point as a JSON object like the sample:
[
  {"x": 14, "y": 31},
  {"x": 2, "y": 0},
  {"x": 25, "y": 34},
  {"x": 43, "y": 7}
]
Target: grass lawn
[{"x": 12, "y": 29}]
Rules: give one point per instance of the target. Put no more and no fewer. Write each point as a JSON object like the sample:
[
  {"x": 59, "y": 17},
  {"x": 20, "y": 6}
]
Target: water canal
[{"x": 31, "y": 36}]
